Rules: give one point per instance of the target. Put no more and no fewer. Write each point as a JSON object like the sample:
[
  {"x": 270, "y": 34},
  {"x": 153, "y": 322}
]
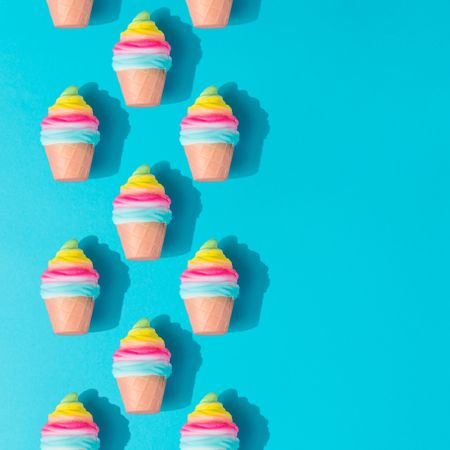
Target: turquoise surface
[{"x": 336, "y": 216}]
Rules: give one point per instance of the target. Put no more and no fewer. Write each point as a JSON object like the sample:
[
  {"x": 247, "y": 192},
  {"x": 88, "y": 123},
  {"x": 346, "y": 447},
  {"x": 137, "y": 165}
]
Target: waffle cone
[
  {"x": 209, "y": 315},
  {"x": 70, "y": 13},
  {"x": 210, "y": 13},
  {"x": 70, "y": 162},
  {"x": 142, "y": 240},
  {"x": 142, "y": 395},
  {"x": 70, "y": 315},
  {"x": 142, "y": 87},
  {"x": 209, "y": 162}
]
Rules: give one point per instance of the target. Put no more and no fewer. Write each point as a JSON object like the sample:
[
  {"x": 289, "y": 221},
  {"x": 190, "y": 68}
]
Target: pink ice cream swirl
[
  {"x": 210, "y": 426},
  {"x": 70, "y": 426}
]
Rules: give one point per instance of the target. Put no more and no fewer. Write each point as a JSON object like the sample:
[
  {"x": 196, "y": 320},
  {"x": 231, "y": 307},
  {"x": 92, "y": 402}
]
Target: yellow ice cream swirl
[
  {"x": 210, "y": 409},
  {"x": 71, "y": 100},
  {"x": 142, "y": 28},
  {"x": 142, "y": 334},
  {"x": 209, "y": 255},
  {"x": 70, "y": 255},
  {"x": 142, "y": 180},
  {"x": 70, "y": 409},
  {"x": 210, "y": 101}
]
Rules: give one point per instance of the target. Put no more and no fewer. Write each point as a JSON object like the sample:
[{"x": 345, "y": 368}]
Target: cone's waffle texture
[
  {"x": 209, "y": 162},
  {"x": 142, "y": 87},
  {"x": 209, "y": 315},
  {"x": 142, "y": 240},
  {"x": 70, "y": 315},
  {"x": 70, "y": 162},
  {"x": 70, "y": 13},
  {"x": 142, "y": 395},
  {"x": 210, "y": 13}
]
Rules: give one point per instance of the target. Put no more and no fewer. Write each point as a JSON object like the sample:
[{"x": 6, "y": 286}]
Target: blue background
[{"x": 336, "y": 216}]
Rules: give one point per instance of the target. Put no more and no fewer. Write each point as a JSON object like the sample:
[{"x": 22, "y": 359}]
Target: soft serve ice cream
[
  {"x": 210, "y": 426},
  {"x": 69, "y": 134},
  {"x": 208, "y": 135},
  {"x": 208, "y": 288},
  {"x": 70, "y": 426},
  {"x": 141, "y": 59}
]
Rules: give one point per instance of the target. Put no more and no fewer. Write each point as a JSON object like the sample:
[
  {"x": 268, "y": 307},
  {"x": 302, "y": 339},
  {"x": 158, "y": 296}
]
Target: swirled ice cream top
[
  {"x": 209, "y": 255},
  {"x": 142, "y": 46},
  {"x": 70, "y": 255},
  {"x": 70, "y": 274},
  {"x": 142, "y": 199},
  {"x": 209, "y": 120},
  {"x": 142, "y": 27},
  {"x": 70, "y": 120},
  {"x": 209, "y": 274},
  {"x": 70, "y": 426},
  {"x": 142, "y": 352},
  {"x": 209, "y": 426}
]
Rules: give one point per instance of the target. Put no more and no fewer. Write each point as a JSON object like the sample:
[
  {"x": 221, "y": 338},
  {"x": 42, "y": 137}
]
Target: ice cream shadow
[
  {"x": 114, "y": 431},
  {"x": 114, "y": 127},
  {"x": 114, "y": 282},
  {"x": 186, "y": 54},
  {"x": 253, "y": 129},
  {"x": 253, "y": 283},
  {"x": 186, "y": 361},
  {"x": 186, "y": 207},
  {"x": 105, "y": 11},
  {"x": 244, "y": 11},
  {"x": 253, "y": 426}
]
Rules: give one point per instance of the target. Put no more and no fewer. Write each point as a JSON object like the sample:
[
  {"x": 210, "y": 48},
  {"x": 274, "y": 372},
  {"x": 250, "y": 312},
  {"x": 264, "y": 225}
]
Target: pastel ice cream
[
  {"x": 141, "y": 366},
  {"x": 141, "y": 213},
  {"x": 209, "y": 274},
  {"x": 210, "y": 426},
  {"x": 208, "y": 135},
  {"x": 69, "y": 287},
  {"x": 208, "y": 288},
  {"x": 209, "y": 120},
  {"x": 70, "y": 426},
  {"x": 69, "y": 134},
  {"x": 141, "y": 59}
]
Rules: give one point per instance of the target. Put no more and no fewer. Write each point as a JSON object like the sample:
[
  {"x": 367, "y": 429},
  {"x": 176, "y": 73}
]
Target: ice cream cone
[
  {"x": 142, "y": 87},
  {"x": 209, "y": 13},
  {"x": 142, "y": 240},
  {"x": 209, "y": 162},
  {"x": 209, "y": 315},
  {"x": 70, "y": 13},
  {"x": 70, "y": 162},
  {"x": 142, "y": 394},
  {"x": 70, "y": 315}
]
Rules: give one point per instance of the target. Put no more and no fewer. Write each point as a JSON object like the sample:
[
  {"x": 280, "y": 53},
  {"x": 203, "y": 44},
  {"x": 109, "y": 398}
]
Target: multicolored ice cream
[
  {"x": 70, "y": 274},
  {"x": 142, "y": 46},
  {"x": 209, "y": 120},
  {"x": 141, "y": 59},
  {"x": 141, "y": 366},
  {"x": 210, "y": 426},
  {"x": 142, "y": 353},
  {"x": 70, "y": 426},
  {"x": 69, "y": 287},
  {"x": 70, "y": 121},
  {"x": 141, "y": 213},
  {"x": 69, "y": 134},
  {"x": 208, "y": 135},
  {"x": 210, "y": 274},
  {"x": 142, "y": 199},
  {"x": 208, "y": 288}
]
